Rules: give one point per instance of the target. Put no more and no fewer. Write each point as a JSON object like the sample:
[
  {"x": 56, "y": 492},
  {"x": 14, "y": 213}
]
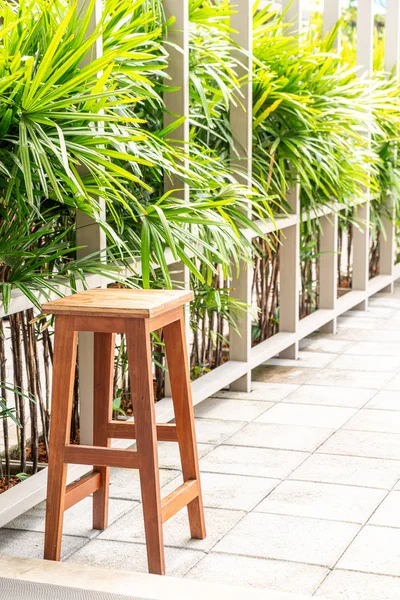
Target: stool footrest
[
  {"x": 126, "y": 430},
  {"x": 82, "y": 488},
  {"x": 179, "y": 498},
  {"x": 101, "y": 457}
]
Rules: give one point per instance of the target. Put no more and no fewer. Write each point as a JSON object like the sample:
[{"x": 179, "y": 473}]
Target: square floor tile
[
  {"x": 369, "y": 444},
  {"x": 324, "y": 395},
  {"x": 375, "y": 550},
  {"x": 331, "y": 417},
  {"x": 385, "y": 400},
  {"x": 375, "y": 349},
  {"x": 169, "y": 458},
  {"x": 357, "y": 379},
  {"x": 77, "y": 520},
  {"x": 350, "y": 470},
  {"x": 236, "y": 492},
  {"x": 388, "y": 513},
  {"x": 231, "y": 410},
  {"x": 393, "y": 324},
  {"x": 273, "y": 391},
  {"x": 395, "y": 316},
  {"x": 379, "y": 335},
  {"x": 356, "y": 362},
  {"x": 373, "y": 312},
  {"x": 349, "y": 334},
  {"x": 312, "y": 541},
  {"x": 259, "y": 462},
  {"x": 322, "y": 501},
  {"x": 355, "y": 313},
  {"x": 394, "y": 384},
  {"x": 215, "y": 431},
  {"x": 281, "y": 576},
  {"x": 348, "y": 585},
  {"x": 316, "y": 360},
  {"x": 284, "y": 374},
  {"x": 361, "y": 322},
  {"x": 130, "y": 528},
  {"x": 385, "y": 421},
  {"x": 29, "y": 544},
  {"x": 270, "y": 392},
  {"x": 125, "y": 483},
  {"x": 282, "y": 437},
  {"x": 132, "y": 557},
  {"x": 320, "y": 343},
  {"x": 385, "y": 300}
]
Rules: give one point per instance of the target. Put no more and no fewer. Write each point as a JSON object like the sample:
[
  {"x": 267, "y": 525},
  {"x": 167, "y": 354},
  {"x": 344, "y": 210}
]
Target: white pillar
[
  {"x": 365, "y": 35},
  {"x": 328, "y": 271},
  {"x": 332, "y": 14},
  {"x": 93, "y": 238},
  {"x": 392, "y": 36},
  {"x": 365, "y": 47},
  {"x": 293, "y": 15},
  {"x": 392, "y": 56},
  {"x": 241, "y": 124},
  {"x": 289, "y": 275},
  {"x": 177, "y": 103}
]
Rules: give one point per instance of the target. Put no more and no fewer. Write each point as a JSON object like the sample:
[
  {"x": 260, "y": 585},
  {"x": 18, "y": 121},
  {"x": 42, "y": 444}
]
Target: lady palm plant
[
  {"x": 54, "y": 156},
  {"x": 308, "y": 116},
  {"x": 383, "y": 105},
  {"x": 214, "y": 310},
  {"x": 215, "y": 211},
  {"x": 309, "y": 112},
  {"x": 214, "y": 87},
  {"x": 209, "y": 227},
  {"x": 214, "y": 83},
  {"x": 385, "y": 140},
  {"x": 71, "y": 139},
  {"x": 313, "y": 117}
]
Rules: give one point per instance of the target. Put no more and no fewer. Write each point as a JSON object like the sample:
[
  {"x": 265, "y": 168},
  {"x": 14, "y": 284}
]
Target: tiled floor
[{"x": 301, "y": 477}]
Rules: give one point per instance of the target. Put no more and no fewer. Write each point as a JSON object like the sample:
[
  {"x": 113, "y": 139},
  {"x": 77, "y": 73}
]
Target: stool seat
[{"x": 116, "y": 302}]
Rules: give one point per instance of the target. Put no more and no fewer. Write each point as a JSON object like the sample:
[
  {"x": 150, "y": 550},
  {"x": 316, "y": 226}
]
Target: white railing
[{"x": 243, "y": 357}]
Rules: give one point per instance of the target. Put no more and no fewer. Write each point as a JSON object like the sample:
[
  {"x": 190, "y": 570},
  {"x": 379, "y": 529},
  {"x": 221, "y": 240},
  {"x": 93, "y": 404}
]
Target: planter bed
[{"x": 15, "y": 470}]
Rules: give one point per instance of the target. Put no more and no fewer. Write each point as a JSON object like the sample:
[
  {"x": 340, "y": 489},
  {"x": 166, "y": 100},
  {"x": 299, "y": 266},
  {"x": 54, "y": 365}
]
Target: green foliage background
[
  {"x": 85, "y": 134},
  {"x": 77, "y": 134}
]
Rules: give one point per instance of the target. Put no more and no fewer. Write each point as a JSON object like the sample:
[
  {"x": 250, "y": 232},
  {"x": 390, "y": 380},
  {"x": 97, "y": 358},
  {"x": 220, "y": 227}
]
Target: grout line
[
  {"x": 311, "y": 518},
  {"x": 394, "y": 460},
  {"x": 364, "y": 487},
  {"x": 322, "y": 582},
  {"x": 274, "y": 559}
]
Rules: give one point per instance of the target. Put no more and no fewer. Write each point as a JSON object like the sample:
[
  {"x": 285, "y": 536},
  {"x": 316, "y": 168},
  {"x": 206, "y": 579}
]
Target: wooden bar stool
[{"x": 135, "y": 313}]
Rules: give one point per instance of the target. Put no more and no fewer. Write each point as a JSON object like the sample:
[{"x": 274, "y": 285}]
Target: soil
[
  {"x": 6, "y": 485},
  {"x": 126, "y": 407},
  {"x": 42, "y": 449},
  {"x": 126, "y": 404},
  {"x": 42, "y": 453}
]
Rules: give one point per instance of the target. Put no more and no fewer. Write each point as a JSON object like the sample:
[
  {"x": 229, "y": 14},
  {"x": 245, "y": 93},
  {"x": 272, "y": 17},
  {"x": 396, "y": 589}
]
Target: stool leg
[
  {"x": 104, "y": 347},
  {"x": 178, "y": 366},
  {"x": 65, "y": 342},
  {"x": 140, "y": 369}
]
